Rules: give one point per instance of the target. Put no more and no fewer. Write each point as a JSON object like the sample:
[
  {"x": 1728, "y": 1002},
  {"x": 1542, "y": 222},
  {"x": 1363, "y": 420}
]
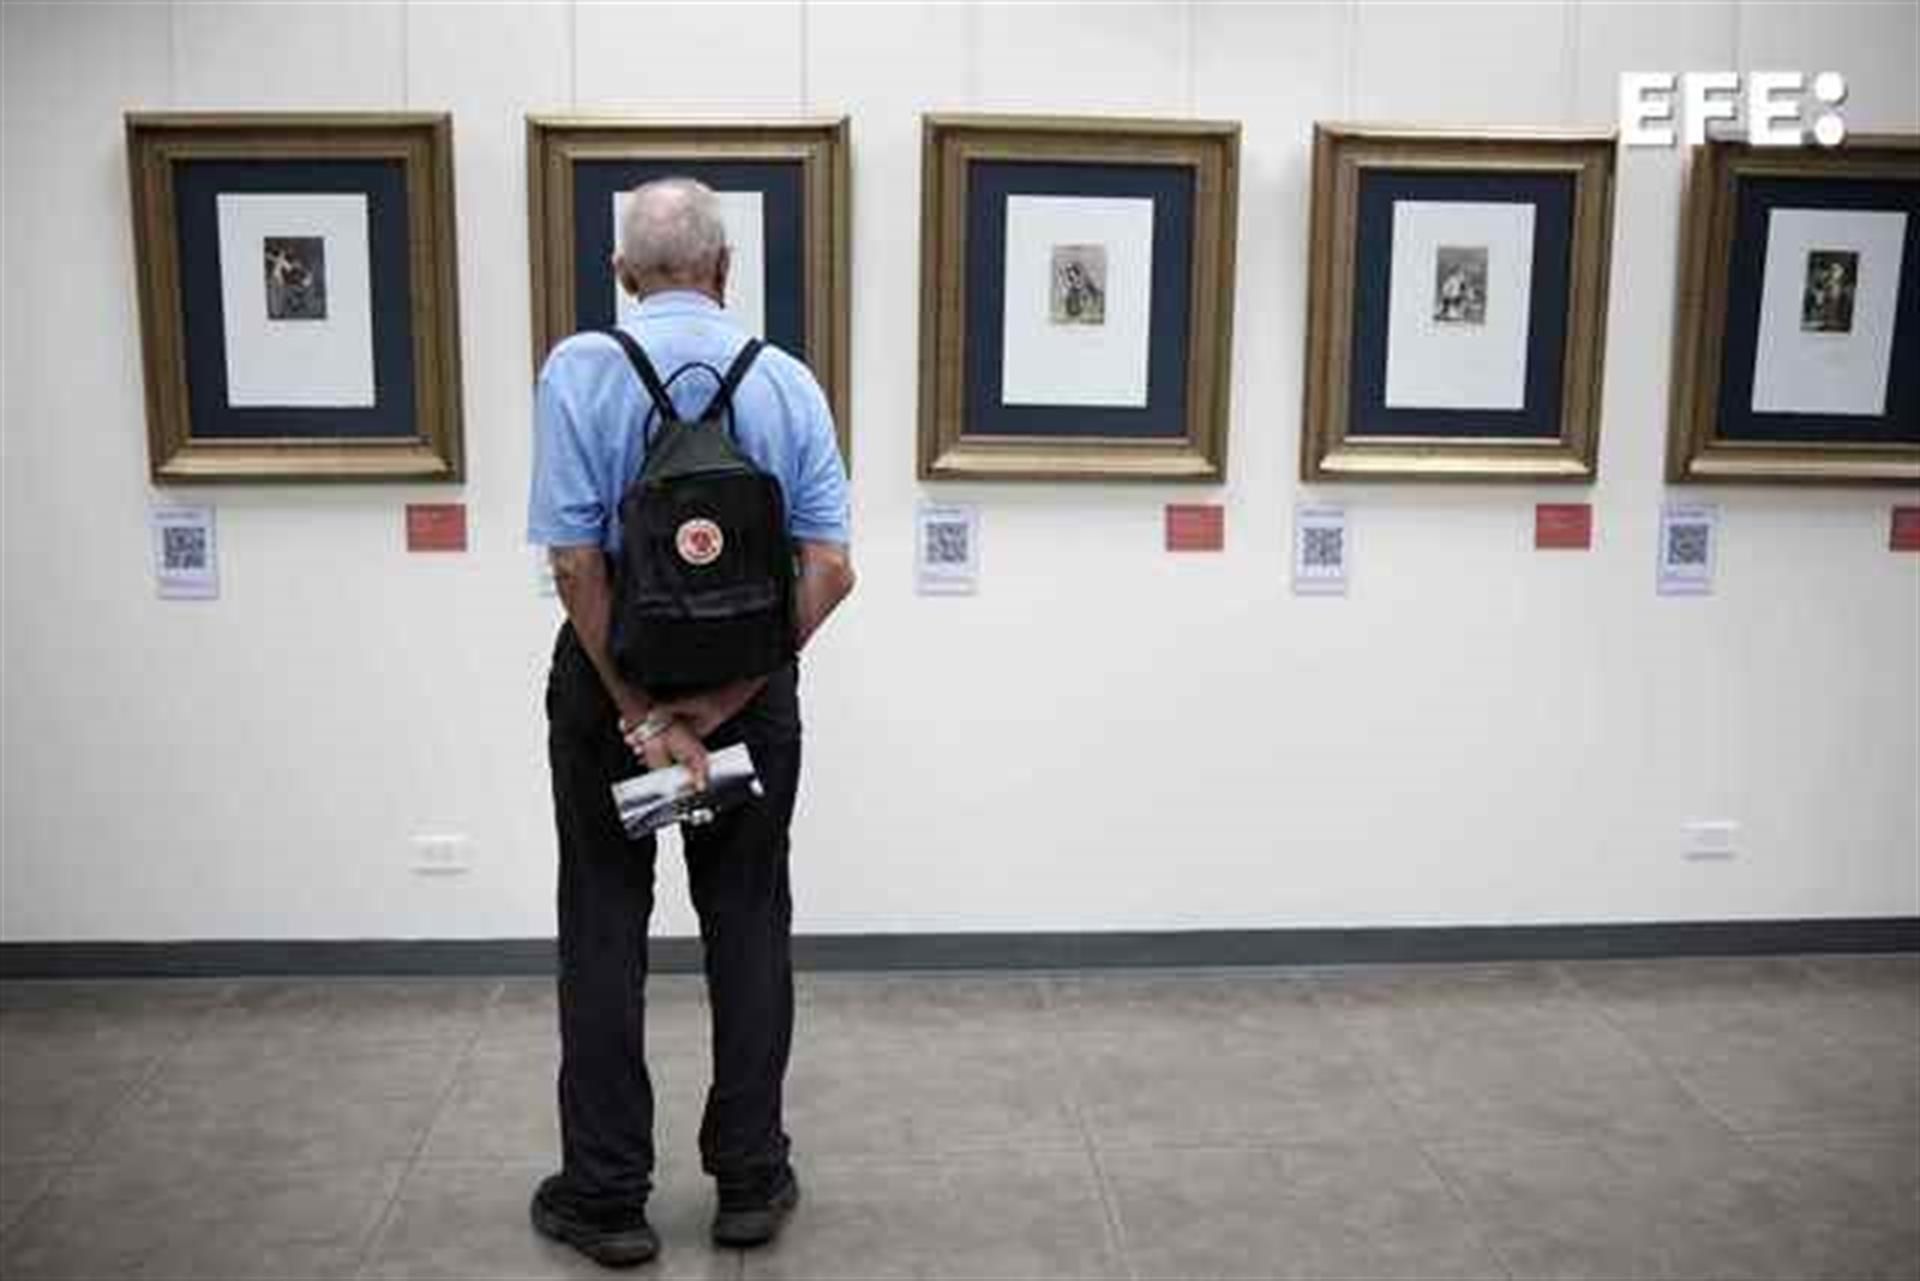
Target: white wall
[{"x": 1479, "y": 733}]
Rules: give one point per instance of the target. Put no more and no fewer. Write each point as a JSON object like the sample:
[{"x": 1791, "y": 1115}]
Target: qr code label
[
  {"x": 1687, "y": 544},
  {"x": 1688, "y": 538},
  {"x": 185, "y": 553},
  {"x": 183, "y": 549},
  {"x": 1320, "y": 551},
  {"x": 947, "y": 560},
  {"x": 948, "y": 544},
  {"x": 1322, "y": 547}
]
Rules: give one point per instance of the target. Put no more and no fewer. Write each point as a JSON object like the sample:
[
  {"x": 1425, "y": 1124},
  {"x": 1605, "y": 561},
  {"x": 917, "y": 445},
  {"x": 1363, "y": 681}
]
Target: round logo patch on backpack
[{"x": 699, "y": 541}]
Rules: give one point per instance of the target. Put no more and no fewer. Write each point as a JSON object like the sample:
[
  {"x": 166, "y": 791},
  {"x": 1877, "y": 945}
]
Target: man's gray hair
[{"x": 672, "y": 228}]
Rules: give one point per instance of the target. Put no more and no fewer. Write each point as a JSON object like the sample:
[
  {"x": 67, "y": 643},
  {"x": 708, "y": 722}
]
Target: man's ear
[
  {"x": 721, "y": 263},
  {"x": 624, "y": 278}
]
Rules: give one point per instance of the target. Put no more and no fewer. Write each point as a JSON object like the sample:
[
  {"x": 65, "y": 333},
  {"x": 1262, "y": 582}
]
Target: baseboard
[{"x": 220, "y": 958}]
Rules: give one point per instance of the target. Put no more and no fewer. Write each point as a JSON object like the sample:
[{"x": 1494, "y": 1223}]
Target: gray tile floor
[{"x": 1688, "y": 1119}]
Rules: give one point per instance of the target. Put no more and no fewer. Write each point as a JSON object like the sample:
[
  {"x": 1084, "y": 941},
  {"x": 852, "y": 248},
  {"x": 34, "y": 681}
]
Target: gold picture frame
[
  {"x": 1344, "y": 154},
  {"x": 819, "y": 145},
  {"x": 158, "y": 145},
  {"x": 1697, "y": 449},
  {"x": 951, "y": 145}
]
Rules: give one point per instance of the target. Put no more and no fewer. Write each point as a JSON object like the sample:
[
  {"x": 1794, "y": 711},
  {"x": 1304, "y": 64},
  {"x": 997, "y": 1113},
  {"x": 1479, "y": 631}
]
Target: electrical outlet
[
  {"x": 441, "y": 855},
  {"x": 1711, "y": 839}
]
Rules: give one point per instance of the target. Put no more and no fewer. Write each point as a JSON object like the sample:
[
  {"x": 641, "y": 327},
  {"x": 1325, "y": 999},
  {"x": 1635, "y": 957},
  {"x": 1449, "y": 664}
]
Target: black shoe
[
  {"x": 623, "y": 1240},
  {"x": 752, "y": 1214}
]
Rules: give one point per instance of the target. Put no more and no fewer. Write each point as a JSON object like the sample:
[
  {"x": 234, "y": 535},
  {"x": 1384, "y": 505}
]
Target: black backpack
[{"x": 703, "y": 588}]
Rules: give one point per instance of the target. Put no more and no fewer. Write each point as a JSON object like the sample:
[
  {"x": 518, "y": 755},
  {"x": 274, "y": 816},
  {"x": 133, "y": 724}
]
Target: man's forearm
[
  {"x": 712, "y": 708},
  {"x": 580, "y": 577},
  {"x": 826, "y": 576},
  {"x": 826, "y": 579}
]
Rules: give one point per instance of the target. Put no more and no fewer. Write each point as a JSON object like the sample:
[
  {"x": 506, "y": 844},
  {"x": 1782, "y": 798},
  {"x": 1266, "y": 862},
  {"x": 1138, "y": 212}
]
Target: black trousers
[{"x": 737, "y": 871}]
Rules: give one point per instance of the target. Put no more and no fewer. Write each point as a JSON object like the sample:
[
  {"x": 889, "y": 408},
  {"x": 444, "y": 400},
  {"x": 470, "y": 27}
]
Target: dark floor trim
[{"x": 226, "y": 958}]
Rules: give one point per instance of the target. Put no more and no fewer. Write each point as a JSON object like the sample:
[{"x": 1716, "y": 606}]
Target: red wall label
[
  {"x": 1563, "y": 526},
  {"x": 1903, "y": 535},
  {"x": 1196, "y": 527},
  {"x": 436, "y": 527}
]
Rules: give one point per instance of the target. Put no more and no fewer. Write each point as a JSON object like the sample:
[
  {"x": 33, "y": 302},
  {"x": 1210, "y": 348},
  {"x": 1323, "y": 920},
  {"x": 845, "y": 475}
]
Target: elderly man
[{"x": 589, "y": 423}]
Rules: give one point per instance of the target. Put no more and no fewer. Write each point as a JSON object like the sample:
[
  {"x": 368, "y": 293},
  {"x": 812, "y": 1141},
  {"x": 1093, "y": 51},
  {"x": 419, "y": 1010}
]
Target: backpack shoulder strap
[
  {"x": 723, "y": 398},
  {"x": 649, "y": 376}
]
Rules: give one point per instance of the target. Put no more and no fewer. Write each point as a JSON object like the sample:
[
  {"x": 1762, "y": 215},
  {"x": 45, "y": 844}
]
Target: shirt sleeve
[
  {"x": 817, "y": 505},
  {"x": 565, "y": 508}
]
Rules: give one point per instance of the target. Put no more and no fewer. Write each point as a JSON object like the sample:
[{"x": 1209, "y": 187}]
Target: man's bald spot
[{"x": 673, "y": 231}]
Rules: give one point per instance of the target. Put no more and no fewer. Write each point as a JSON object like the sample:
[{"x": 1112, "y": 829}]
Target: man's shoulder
[
  {"x": 588, "y": 352},
  {"x": 789, "y": 375},
  {"x": 781, "y": 364}
]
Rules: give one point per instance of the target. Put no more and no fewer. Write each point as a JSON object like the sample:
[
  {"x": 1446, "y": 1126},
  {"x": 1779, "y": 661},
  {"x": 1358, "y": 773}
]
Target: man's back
[{"x": 591, "y": 419}]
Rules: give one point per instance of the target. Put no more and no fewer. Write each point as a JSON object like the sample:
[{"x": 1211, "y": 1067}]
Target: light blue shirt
[{"x": 589, "y": 410}]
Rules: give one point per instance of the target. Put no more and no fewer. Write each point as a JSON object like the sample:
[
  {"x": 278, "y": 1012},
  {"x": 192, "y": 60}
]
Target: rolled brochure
[{"x": 660, "y": 798}]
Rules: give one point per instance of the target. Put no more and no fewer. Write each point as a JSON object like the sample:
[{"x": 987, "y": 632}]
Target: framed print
[
  {"x": 784, "y": 196},
  {"x": 1797, "y": 332},
  {"x": 1076, "y": 297},
  {"x": 299, "y": 301},
  {"x": 1456, "y": 304}
]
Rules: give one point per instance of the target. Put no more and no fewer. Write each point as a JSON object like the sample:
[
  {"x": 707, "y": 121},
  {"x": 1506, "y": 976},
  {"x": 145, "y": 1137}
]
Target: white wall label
[
  {"x": 946, "y": 553},
  {"x": 1320, "y": 551},
  {"x": 185, "y": 566},
  {"x": 1688, "y": 532}
]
